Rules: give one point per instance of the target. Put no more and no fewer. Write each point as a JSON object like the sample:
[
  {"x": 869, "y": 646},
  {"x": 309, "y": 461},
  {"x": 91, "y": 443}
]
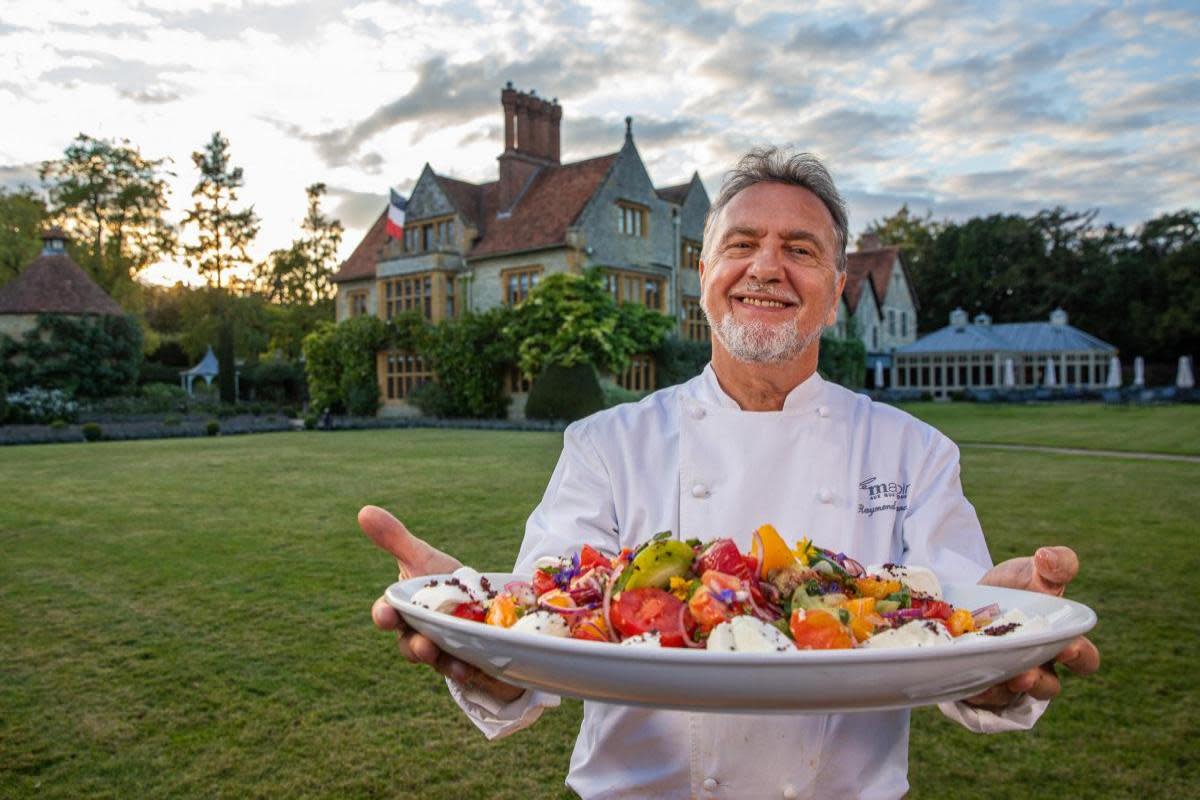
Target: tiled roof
[
  {"x": 466, "y": 197},
  {"x": 1022, "y": 337},
  {"x": 674, "y": 194},
  {"x": 551, "y": 205},
  {"x": 361, "y": 263},
  {"x": 872, "y": 267},
  {"x": 54, "y": 284}
]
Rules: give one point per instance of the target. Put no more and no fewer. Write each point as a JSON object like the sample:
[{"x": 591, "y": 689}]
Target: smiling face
[{"x": 772, "y": 284}]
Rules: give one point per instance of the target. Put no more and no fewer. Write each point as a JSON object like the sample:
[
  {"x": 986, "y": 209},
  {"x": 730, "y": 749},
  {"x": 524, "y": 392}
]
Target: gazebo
[{"x": 206, "y": 369}]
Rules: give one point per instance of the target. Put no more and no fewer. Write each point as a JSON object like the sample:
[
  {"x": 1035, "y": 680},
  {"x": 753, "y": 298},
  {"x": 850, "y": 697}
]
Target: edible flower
[
  {"x": 680, "y": 587},
  {"x": 804, "y": 551}
]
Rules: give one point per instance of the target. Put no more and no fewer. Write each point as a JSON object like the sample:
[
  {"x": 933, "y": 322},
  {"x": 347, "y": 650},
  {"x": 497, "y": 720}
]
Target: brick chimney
[{"x": 531, "y": 141}]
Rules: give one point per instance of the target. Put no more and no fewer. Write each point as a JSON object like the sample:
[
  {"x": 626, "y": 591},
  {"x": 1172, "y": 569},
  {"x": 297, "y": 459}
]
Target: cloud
[
  {"x": 356, "y": 210},
  {"x": 447, "y": 94},
  {"x": 291, "y": 23},
  {"x": 16, "y": 176},
  {"x": 150, "y": 97},
  {"x": 140, "y": 81}
]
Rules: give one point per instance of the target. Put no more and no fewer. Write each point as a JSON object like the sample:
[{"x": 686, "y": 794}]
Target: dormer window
[
  {"x": 632, "y": 218},
  {"x": 430, "y": 235}
]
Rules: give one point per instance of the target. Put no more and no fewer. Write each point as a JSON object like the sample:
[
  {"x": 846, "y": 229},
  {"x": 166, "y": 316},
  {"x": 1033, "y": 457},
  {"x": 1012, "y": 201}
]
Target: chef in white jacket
[{"x": 758, "y": 437}]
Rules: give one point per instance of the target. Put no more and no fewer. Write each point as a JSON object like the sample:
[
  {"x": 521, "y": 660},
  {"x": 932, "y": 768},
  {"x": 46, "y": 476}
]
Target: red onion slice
[
  {"x": 607, "y": 604},
  {"x": 687, "y": 637}
]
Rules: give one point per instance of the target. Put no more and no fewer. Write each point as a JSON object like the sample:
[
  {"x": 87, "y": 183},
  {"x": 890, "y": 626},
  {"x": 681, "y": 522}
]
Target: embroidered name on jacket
[{"x": 877, "y": 496}]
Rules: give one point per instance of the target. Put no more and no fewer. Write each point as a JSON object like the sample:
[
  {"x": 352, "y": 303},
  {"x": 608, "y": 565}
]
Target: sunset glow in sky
[{"x": 957, "y": 108}]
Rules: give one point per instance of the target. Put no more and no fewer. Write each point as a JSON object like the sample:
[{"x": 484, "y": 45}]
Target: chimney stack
[{"x": 531, "y": 141}]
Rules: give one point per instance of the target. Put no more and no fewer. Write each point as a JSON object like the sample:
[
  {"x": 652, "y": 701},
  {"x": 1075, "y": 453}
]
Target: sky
[{"x": 956, "y": 109}]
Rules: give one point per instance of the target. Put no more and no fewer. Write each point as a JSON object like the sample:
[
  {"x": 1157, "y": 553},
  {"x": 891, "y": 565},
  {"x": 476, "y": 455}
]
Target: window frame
[
  {"x": 693, "y": 327},
  {"x": 621, "y": 282},
  {"x": 533, "y": 271},
  {"x": 635, "y": 217}
]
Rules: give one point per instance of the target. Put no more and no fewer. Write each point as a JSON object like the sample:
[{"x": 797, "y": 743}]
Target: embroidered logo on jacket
[{"x": 882, "y": 496}]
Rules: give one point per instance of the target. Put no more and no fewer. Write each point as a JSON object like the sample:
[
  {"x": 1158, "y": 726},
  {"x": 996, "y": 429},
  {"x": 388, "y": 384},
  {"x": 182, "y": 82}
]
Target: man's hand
[
  {"x": 1048, "y": 571},
  {"x": 414, "y": 558}
]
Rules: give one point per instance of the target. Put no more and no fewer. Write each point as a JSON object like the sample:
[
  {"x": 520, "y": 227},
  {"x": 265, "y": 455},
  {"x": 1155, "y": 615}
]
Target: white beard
[{"x": 759, "y": 343}]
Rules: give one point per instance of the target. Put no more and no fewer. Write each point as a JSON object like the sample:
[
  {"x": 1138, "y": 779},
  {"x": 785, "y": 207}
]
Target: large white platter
[{"x": 801, "y": 681}]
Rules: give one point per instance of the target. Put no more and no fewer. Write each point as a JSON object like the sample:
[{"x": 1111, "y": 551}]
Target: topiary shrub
[
  {"x": 92, "y": 432},
  {"x": 678, "y": 360},
  {"x": 212, "y": 428},
  {"x": 566, "y": 393}
]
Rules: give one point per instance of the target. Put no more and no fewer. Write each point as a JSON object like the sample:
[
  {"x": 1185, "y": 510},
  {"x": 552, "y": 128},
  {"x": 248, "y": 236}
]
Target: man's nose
[{"x": 767, "y": 266}]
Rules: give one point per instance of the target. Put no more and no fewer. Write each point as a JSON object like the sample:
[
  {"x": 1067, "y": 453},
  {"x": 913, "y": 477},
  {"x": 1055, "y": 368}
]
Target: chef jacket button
[
  {"x": 697, "y": 412},
  {"x": 825, "y": 496},
  {"x": 823, "y": 411},
  {"x": 790, "y": 793},
  {"x": 710, "y": 784},
  {"x": 699, "y": 490}
]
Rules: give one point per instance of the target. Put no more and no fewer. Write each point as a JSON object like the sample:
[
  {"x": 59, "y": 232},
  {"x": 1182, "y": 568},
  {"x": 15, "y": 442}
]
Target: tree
[
  {"x": 112, "y": 199},
  {"x": 572, "y": 319},
  {"x": 301, "y": 274},
  {"x": 22, "y": 217},
  {"x": 222, "y": 233}
]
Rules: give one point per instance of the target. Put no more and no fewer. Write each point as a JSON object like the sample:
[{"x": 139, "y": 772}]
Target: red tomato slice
[
  {"x": 543, "y": 582},
  {"x": 723, "y": 556},
  {"x": 648, "y": 610},
  {"x": 933, "y": 609},
  {"x": 590, "y": 557},
  {"x": 472, "y": 611}
]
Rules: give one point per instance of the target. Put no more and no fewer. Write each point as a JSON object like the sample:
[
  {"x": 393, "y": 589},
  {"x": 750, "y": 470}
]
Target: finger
[
  {"x": 412, "y": 554},
  {"x": 1053, "y": 569},
  {"x": 1040, "y": 683},
  {"x": 385, "y": 617},
  {"x": 996, "y": 697},
  {"x": 423, "y": 649},
  {"x": 467, "y": 675},
  {"x": 1080, "y": 656}
]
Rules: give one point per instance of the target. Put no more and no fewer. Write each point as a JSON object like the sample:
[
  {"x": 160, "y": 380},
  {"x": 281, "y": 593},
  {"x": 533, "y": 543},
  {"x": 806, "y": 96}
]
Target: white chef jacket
[{"x": 687, "y": 459}]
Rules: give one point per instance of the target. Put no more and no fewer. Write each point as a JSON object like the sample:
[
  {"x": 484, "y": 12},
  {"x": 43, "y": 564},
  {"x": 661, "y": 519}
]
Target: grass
[
  {"x": 187, "y": 618},
  {"x": 1153, "y": 429}
]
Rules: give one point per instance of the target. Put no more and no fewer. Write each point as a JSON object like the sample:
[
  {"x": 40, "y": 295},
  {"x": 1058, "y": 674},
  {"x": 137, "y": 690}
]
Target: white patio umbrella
[
  {"x": 878, "y": 373},
  {"x": 1051, "y": 375},
  {"x": 1114, "y": 373},
  {"x": 1139, "y": 371},
  {"x": 1184, "y": 378},
  {"x": 1010, "y": 377}
]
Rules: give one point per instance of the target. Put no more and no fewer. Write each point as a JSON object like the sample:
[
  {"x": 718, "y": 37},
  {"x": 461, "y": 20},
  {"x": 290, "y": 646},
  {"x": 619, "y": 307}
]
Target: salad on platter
[{"x": 671, "y": 593}]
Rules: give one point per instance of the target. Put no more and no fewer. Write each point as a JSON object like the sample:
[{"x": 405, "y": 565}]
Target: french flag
[{"x": 395, "y": 215}]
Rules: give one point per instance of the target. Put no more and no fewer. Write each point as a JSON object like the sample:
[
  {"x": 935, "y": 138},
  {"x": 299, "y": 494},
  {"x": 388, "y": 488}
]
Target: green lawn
[
  {"x": 1162, "y": 429},
  {"x": 189, "y": 618}
]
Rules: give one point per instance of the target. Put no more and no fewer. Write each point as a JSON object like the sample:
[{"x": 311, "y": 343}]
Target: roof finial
[{"x": 628, "y": 128}]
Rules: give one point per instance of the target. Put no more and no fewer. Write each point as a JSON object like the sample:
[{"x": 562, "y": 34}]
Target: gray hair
[{"x": 774, "y": 165}]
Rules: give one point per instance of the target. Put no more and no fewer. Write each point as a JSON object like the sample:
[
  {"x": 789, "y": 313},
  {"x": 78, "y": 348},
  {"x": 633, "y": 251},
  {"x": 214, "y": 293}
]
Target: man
[{"x": 758, "y": 437}]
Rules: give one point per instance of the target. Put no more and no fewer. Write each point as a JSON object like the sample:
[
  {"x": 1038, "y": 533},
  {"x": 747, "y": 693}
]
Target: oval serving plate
[{"x": 801, "y": 681}]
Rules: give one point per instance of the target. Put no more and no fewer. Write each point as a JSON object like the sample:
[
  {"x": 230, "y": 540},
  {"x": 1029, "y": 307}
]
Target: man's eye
[{"x": 801, "y": 251}]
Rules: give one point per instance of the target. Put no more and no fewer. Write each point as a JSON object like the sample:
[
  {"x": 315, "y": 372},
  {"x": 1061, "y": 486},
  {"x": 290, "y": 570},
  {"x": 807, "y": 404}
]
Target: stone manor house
[{"x": 469, "y": 246}]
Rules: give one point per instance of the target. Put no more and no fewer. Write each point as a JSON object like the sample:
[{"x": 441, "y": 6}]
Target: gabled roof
[
  {"x": 361, "y": 263},
  {"x": 550, "y": 205},
  {"x": 873, "y": 267},
  {"x": 673, "y": 194},
  {"x": 54, "y": 284},
  {"x": 467, "y": 198},
  {"x": 1021, "y": 337}
]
